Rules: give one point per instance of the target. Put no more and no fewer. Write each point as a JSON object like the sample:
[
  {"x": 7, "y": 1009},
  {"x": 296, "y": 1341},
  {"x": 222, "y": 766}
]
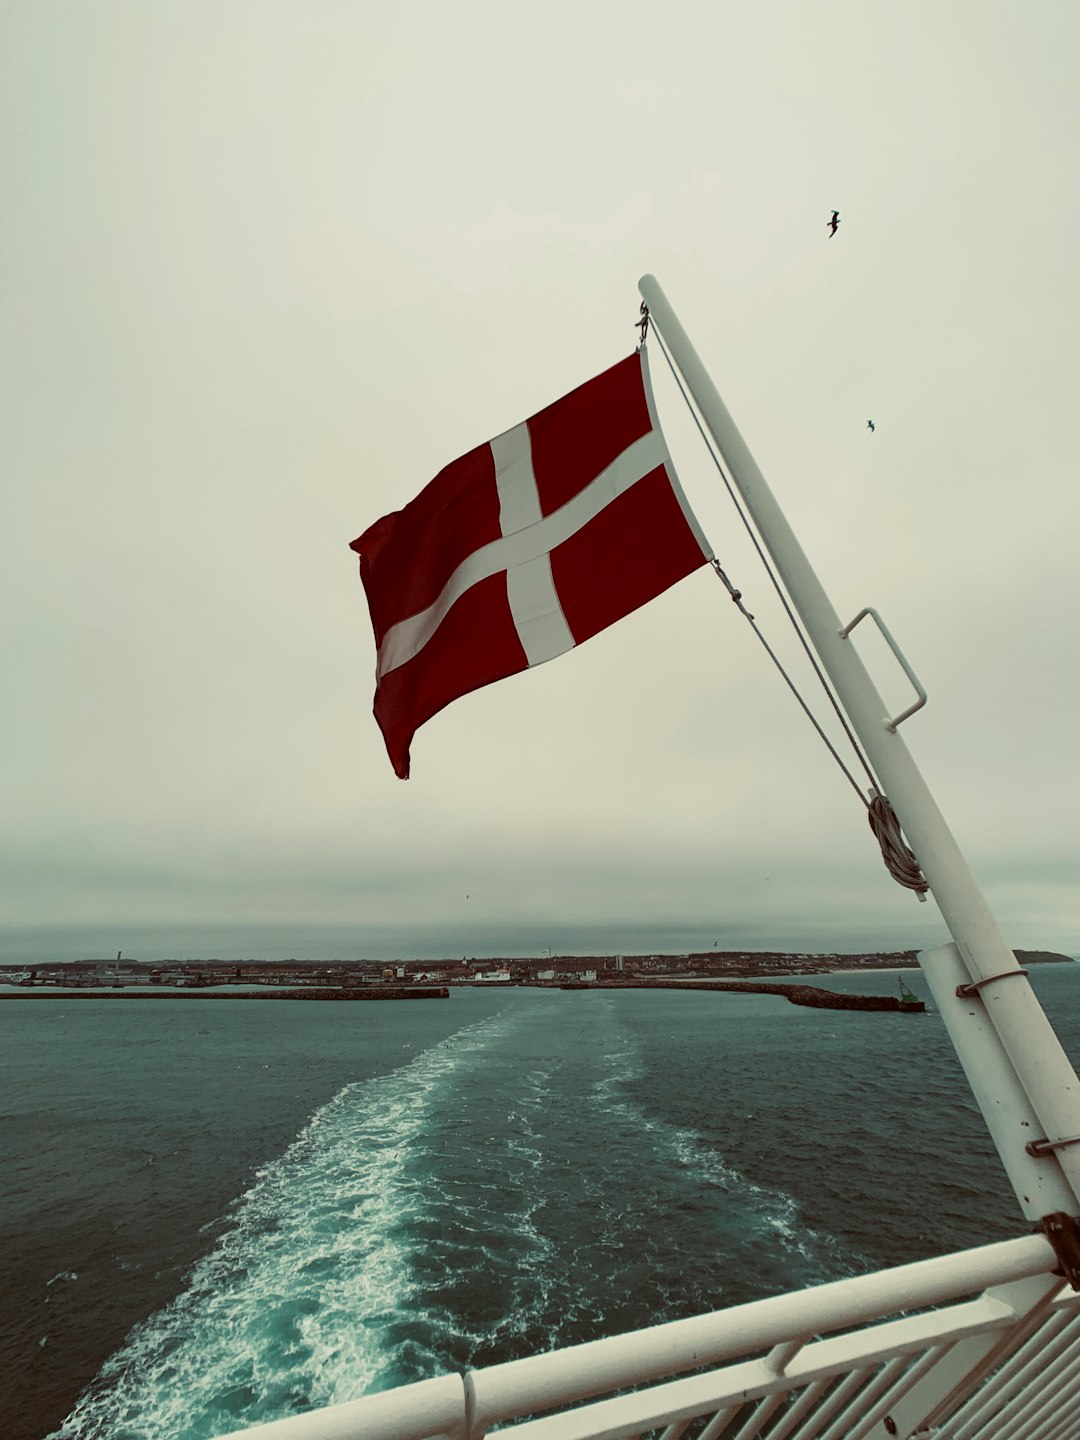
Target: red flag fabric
[{"x": 523, "y": 548}]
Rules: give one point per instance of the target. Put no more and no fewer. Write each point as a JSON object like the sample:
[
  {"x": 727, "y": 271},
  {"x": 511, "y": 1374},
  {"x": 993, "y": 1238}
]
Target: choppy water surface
[{"x": 219, "y": 1212}]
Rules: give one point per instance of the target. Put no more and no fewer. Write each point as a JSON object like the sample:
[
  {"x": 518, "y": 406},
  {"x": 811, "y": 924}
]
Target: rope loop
[
  {"x": 899, "y": 859},
  {"x": 736, "y": 595}
]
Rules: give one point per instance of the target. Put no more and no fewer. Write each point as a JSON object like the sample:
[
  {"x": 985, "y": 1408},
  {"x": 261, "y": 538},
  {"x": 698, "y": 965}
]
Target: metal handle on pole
[{"x": 900, "y": 656}]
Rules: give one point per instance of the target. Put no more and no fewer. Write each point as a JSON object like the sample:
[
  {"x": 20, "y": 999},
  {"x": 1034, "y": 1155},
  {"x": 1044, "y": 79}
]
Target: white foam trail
[
  {"x": 774, "y": 1209},
  {"x": 315, "y": 1294},
  {"x": 291, "y": 1307}
]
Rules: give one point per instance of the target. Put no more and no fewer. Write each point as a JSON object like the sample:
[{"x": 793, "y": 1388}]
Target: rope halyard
[
  {"x": 899, "y": 859},
  {"x": 770, "y": 572},
  {"x": 736, "y": 596}
]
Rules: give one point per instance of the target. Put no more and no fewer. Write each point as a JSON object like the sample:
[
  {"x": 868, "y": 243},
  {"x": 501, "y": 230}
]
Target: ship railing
[{"x": 983, "y": 1344}]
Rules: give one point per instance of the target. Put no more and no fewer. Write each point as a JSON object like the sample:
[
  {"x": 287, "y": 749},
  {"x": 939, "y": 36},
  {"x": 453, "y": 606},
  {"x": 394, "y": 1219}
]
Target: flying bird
[
  {"x": 871, "y": 426},
  {"x": 833, "y": 223}
]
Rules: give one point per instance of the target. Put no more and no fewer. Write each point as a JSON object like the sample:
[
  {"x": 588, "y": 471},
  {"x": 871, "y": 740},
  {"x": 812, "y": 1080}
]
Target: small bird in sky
[
  {"x": 871, "y": 426},
  {"x": 833, "y": 223}
]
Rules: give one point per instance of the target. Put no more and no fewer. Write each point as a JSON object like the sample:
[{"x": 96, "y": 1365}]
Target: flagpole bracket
[
  {"x": 974, "y": 986},
  {"x": 901, "y": 659},
  {"x": 1039, "y": 1148},
  {"x": 1063, "y": 1232}
]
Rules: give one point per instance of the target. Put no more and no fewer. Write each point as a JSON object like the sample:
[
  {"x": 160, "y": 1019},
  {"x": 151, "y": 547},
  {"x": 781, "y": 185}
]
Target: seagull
[
  {"x": 833, "y": 223},
  {"x": 871, "y": 426}
]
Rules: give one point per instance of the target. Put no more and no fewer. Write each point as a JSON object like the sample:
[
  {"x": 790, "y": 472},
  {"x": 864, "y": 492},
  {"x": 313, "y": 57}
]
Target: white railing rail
[{"x": 992, "y": 1353}]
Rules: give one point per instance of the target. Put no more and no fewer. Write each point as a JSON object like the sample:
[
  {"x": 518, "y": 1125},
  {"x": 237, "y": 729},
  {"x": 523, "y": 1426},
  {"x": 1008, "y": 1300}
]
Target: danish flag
[{"x": 523, "y": 548}]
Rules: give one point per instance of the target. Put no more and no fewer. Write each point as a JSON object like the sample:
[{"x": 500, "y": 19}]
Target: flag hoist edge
[{"x": 523, "y": 548}]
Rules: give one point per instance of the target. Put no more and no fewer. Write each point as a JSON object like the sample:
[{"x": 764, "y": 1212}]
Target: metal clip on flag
[{"x": 523, "y": 548}]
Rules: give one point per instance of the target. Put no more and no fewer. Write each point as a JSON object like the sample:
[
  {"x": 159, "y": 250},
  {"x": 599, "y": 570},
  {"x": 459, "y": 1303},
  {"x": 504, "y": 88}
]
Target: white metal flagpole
[{"x": 1041, "y": 1065}]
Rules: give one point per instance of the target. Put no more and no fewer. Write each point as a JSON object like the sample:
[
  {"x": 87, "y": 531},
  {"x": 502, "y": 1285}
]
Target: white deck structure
[{"x": 980, "y": 1345}]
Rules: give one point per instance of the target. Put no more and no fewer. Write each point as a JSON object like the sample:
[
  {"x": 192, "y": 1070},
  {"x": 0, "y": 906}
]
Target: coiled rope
[{"x": 899, "y": 858}]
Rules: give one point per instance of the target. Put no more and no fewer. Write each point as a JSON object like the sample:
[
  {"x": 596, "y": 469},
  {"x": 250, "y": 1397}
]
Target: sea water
[{"x": 216, "y": 1212}]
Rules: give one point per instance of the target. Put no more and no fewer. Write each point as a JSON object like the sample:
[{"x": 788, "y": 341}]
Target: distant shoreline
[
  {"x": 191, "y": 992},
  {"x": 131, "y": 979},
  {"x": 764, "y": 981}
]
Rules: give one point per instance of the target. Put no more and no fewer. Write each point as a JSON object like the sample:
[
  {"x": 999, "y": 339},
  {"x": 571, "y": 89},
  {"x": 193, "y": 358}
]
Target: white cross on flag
[{"x": 523, "y": 548}]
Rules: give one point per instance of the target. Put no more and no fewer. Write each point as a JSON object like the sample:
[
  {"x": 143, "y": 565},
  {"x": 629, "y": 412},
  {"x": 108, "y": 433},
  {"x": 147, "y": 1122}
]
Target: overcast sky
[{"x": 266, "y": 267}]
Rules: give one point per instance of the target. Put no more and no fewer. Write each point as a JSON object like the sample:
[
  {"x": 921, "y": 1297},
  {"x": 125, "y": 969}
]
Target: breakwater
[
  {"x": 812, "y": 995},
  {"x": 269, "y": 992}
]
